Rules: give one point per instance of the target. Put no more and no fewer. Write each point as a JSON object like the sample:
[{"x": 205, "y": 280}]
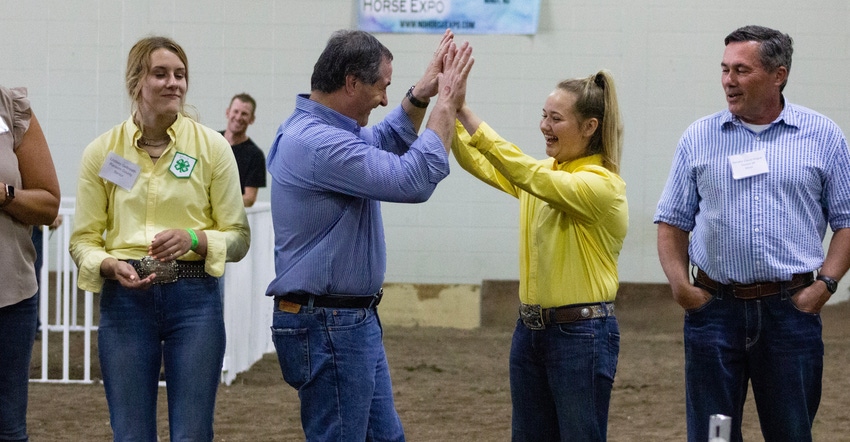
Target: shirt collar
[
  {"x": 787, "y": 116},
  {"x": 571, "y": 166},
  {"x": 135, "y": 133},
  {"x": 331, "y": 117}
]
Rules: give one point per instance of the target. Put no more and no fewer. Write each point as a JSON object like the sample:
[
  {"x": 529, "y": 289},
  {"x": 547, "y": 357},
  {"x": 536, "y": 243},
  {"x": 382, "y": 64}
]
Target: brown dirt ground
[{"x": 452, "y": 385}]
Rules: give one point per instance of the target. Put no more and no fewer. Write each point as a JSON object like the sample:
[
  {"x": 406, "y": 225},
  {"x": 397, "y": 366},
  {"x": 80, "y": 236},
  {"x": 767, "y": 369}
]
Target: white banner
[{"x": 461, "y": 16}]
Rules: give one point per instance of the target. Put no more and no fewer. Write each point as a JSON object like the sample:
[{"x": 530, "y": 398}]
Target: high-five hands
[
  {"x": 456, "y": 63},
  {"x": 452, "y": 81},
  {"x": 427, "y": 86}
]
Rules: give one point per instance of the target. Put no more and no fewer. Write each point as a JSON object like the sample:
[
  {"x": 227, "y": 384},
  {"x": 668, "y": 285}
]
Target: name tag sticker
[
  {"x": 3, "y": 127},
  {"x": 119, "y": 171},
  {"x": 748, "y": 164}
]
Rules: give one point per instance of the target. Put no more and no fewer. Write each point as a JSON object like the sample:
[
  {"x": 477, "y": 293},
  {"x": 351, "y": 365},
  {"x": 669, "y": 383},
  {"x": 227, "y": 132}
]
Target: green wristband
[{"x": 194, "y": 239}]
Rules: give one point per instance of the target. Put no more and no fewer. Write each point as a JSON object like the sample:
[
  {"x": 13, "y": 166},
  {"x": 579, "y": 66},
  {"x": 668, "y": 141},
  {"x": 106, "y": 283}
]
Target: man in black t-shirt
[{"x": 249, "y": 158}]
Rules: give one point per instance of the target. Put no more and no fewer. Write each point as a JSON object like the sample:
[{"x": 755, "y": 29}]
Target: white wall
[{"x": 665, "y": 55}]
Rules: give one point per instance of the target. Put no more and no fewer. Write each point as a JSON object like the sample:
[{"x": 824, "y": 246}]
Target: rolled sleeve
[
  {"x": 230, "y": 241},
  {"x": 87, "y": 245},
  {"x": 679, "y": 201}
]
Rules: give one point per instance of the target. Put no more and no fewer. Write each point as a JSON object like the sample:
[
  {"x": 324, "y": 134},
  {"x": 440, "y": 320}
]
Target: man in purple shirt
[{"x": 329, "y": 173}]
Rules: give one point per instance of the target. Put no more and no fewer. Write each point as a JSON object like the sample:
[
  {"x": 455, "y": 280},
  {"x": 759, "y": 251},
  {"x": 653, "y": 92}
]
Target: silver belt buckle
[
  {"x": 532, "y": 316},
  {"x": 166, "y": 272}
]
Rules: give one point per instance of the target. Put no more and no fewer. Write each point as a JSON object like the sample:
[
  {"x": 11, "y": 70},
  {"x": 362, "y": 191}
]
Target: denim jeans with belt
[
  {"x": 335, "y": 358},
  {"x": 561, "y": 380},
  {"x": 17, "y": 335},
  {"x": 180, "y": 324},
  {"x": 768, "y": 341}
]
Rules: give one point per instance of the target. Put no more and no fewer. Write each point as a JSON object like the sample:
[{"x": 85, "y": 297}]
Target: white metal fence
[{"x": 247, "y": 311}]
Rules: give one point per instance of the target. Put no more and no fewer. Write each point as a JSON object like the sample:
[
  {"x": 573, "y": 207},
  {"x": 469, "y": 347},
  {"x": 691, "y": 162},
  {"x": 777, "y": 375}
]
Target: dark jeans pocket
[{"x": 293, "y": 354}]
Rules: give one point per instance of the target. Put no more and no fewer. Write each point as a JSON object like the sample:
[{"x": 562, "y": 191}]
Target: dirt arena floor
[{"x": 452, "y": 385}]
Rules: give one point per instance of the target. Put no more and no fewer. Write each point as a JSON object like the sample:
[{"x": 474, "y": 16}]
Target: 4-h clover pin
[{"x": 182, "y": 165}]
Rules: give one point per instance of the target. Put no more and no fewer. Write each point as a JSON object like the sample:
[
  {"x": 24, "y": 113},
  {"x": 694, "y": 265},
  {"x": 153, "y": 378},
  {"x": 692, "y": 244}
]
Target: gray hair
[
  {"x": 775, "y": 48},
  {"x": 349, "y": 52}
]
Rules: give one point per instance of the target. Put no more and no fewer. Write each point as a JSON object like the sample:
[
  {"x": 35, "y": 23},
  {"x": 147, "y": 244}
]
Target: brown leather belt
[
  {"x": 756, "y": 289},
  {"x": 537, "y": 318}
]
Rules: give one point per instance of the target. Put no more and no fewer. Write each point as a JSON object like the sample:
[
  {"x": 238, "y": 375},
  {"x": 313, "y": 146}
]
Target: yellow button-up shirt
[
  {"x": 111, "y": 221},
  {"x": 573, "y": 218}
]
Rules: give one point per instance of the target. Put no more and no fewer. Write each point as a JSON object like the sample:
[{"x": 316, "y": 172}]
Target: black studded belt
[{"x": 167, "y": 272}]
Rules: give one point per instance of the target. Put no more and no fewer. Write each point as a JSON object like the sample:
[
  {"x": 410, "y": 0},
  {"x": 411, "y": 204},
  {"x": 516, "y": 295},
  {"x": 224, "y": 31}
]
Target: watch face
[{"x": 831, "y": 284}]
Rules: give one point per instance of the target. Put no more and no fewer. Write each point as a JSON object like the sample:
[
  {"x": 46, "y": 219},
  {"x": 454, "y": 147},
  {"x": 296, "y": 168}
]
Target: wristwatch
[
  {"x": 415, "y": 101},
  {"x": 10, "y": 195},
  {"x": 831, "y": 284}
]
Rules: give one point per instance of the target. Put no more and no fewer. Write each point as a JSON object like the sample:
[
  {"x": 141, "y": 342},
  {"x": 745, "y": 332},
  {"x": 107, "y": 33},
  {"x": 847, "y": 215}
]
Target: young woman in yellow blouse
[
  {"x": 573, "y": 219},
  {"x": 159, "y": 211}
]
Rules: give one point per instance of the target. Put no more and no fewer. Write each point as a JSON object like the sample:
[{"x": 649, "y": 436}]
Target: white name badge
[
  {"x": 3, "y": 127},
  {"x": 120, "y": 171},
  {"x": 748, "y": 164}
]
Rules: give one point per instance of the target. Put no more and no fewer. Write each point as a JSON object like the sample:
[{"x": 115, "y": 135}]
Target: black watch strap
[
  {"x": 831, "y": 284},
  {"x": 415, "y": 101}
]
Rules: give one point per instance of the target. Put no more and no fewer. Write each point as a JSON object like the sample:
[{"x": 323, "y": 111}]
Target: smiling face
[
  {"x": 164, "y": 87},
  {"x": 369, "y": 96},
  {"x": 239, "y": 115},
  {"x": 752, "y": 93},
  {"x": 566, "y": 137}
]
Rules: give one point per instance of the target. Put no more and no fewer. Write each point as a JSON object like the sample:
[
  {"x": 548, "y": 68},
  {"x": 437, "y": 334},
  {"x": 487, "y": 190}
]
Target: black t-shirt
[{"x": 251, "y": 162}]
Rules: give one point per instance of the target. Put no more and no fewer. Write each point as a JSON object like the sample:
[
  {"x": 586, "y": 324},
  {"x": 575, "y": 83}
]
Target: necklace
[{"x": 154, "y": 143}]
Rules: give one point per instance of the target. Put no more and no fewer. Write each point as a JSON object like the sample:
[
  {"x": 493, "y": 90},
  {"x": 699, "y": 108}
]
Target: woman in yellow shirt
[
  {"x": 573, "y": 219},
  {"x": 159, "y": 211}
]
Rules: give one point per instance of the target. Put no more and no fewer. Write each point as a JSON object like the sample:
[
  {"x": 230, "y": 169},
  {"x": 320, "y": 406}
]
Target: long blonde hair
[{"x": 596, "y": 97}]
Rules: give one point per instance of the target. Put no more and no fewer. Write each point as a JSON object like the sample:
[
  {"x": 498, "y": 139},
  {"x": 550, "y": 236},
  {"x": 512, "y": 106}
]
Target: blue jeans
[
  {"x": 180, "y": 324},
  {"x": 730, "y": 342},
  {"x": 335, "y": 359},
  {"x": 561, "y": 380},
  {"x": 17, "y": 336}
]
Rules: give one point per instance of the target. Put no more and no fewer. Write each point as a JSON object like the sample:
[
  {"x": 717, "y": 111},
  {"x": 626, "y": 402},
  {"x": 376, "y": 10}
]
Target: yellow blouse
[
  {"x": 194, "y": 185},
  {"x": 573, "y": 218}
]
